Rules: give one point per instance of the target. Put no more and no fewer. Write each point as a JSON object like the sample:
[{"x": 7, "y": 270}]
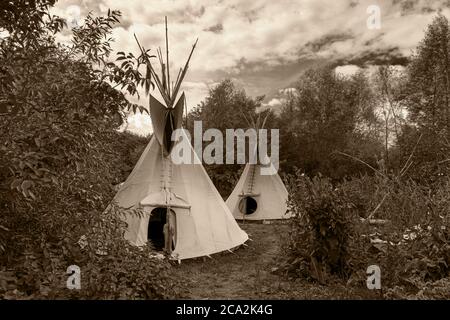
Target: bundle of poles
[{"x": 168, "y": 91}]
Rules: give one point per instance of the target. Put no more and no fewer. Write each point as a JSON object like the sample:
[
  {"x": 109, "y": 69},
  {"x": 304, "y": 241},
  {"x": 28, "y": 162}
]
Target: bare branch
[{"x": 363, "y": 162}]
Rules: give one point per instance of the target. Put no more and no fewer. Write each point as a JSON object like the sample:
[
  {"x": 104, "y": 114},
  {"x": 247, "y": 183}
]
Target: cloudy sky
[{"x": 264, "y": 45}]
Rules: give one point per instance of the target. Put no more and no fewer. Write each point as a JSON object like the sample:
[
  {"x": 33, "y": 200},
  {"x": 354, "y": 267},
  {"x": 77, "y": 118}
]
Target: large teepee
[
  {"x": 182, "y": 210},
  {"x": 259, "y": 196}
]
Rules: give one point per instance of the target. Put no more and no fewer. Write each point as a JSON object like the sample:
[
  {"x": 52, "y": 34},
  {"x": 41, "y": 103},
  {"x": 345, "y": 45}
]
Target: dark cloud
[
  {"x": 391, "y": 56},
  {"x": 327, "y": 40},
  {"x": 218, "y": 28},
  {"x": 413, "y": 6},
  {"x": 265, "y": 45}
]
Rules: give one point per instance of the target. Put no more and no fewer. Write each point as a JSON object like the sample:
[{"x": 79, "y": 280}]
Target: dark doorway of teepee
[
  {"x": 155, "y": 232},
  {"x": 248, "y": 205}
]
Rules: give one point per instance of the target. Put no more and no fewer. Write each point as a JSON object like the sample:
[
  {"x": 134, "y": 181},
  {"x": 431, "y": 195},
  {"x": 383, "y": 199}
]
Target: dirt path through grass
[
  {"x": 247, "y": 273},
  {"x": 244, "y": 274}
]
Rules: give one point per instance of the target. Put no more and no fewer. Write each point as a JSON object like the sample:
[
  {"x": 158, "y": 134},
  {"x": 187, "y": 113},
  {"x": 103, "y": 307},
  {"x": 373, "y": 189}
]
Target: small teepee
[
  {"x": 258, "y": 196},
  {"x": 182, "y": 210}
]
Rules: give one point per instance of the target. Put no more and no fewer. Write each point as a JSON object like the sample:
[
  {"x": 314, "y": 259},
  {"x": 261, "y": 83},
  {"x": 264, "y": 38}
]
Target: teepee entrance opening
[
  {"x": 159, "y": 234},
  {"x": 248, "y": 205},
  {"x": 155, "y": 231}
]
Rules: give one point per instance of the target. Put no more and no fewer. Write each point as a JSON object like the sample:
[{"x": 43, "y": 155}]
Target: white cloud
[
  {"x": 347, "y": 70},
  {"x": 196, "y": 92},
  {"x": 4, "y": 34},
  {"x": 139, "y": 123},
  {"x": 260, "y": 40},
  {"x": 287, "y": 91},
  {"x": 265, "y": 32},
  {"x": 275, "y": 102}
]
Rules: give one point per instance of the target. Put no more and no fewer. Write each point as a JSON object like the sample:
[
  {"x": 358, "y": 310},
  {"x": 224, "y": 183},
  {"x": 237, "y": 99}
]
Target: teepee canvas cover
[
  {"x": 182, "y": 194},
  {"x": 259, "y": 196},
  {"x": 204, "y": 223}
]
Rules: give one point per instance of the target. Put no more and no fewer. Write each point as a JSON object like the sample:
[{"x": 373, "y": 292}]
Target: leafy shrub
[
  {"x": 60, "y": 155},
  {"x": 430, "y": 290},
  {"x": 411, "y": 247},
  {"x": 321, "y": 228},
  {"x": 111, "y": 268},
  {"x": 223, "y": 178}
]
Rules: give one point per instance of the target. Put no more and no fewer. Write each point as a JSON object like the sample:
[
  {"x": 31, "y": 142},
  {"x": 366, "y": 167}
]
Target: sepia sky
[{"x": 263, "y": 46}]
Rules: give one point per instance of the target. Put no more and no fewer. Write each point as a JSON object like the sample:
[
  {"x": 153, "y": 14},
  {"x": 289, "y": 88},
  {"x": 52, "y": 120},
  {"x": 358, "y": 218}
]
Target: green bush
[
  {"x": 322, "y": 228},
  {"x": 60, "y": 156},
  {"x": 111, "y": 268},
  {"x": 412, "y": 247}
]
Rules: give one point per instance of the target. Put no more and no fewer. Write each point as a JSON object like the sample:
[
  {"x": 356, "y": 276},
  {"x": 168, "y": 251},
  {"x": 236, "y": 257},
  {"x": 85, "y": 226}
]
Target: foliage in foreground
[
  {"x": 60, "y": 155},
  {"x": 111, "y": 268},
  {"x": 331, "y": 237}
]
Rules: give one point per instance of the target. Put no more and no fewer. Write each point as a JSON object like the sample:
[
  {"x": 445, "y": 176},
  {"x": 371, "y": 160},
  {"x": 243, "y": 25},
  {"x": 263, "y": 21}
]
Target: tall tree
[
  {"x": 328, "y": 113},
  {"x": 387, "y": 85},
  {"x": 226, "y": 107},
  {"x": 428, "y": 88},
  {"x": 427, "y": 99}
]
